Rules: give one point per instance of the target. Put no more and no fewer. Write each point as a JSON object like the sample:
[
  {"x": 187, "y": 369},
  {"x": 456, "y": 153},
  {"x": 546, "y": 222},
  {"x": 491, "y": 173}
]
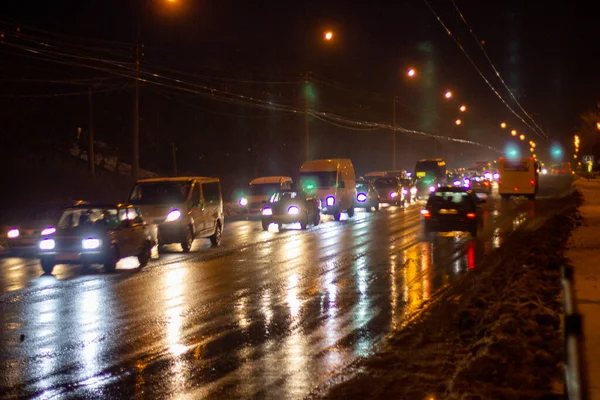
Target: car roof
[
  {"x": 452, "y": 189},
  {"x": 101, "y": 206},
  {"x": 270, "y": 179},
  {"x": 178, "y": 179}
]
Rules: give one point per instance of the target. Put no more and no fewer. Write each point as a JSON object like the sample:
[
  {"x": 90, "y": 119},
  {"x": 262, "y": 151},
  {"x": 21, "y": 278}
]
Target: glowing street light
[
  {"x": 534, "y": 156},
  {"x": 598, "y": 125},
  {"x": 503, "y": 125},
  {"x": 458, "y": 122},
  {"x": 448, "y": 94},
  {"x": 328, "y": 35},
  {"x": 531, "y": 149},
  {"x": 411, "y": 73},
  {"x": 513, "y": 132},
  {"x": 522, "y": 137},
  {"x": 463, "y": 108}
]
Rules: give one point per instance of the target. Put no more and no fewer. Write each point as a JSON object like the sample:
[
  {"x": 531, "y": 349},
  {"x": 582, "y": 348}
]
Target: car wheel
[
  {"x": 350, "y": 212},
  {"x": 369, "y": 208},
  {"x": 47, "y": 266},
  {"x": 377, "y": 206},
  {"x": 215, "y": 239},
  {"x": 279, "y": 227},
  {"x": 186, "y": 245},
  {"x": 145, "y": 255},
  {"x": 111, "y": 259},
  {"x": 317, "y": 219},
  {"x": 337, "y": 216},
  {"x": 265, "y": 225},
  {"x": 304, "y": 224}
]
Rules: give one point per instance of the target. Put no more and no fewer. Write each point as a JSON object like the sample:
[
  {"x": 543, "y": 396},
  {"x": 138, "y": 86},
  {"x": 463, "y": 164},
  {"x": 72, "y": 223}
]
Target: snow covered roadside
[
  {"x": 495, "y": 334},
  {"x": 584, "y": 254}
]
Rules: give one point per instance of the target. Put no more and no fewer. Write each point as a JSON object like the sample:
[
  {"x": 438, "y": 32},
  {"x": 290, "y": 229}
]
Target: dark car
[
  {"x": 290, "y": 206},
  {"x": 23, "y": 229},
  {"x": 390, "y": 190},
  {"x": 96, "y": 234},
  {"x": 479, "y": 184},
  {"x": 452, "y": 209},
  {"x": 367, "y": 196}
]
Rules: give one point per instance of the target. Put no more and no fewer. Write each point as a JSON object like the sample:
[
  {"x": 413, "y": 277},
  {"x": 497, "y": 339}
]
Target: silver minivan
[{"x": 183, "y": 208}]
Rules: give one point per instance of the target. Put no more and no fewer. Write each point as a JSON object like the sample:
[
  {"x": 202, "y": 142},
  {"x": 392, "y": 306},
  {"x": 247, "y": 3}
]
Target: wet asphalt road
[{"x": 266, "y": 315}]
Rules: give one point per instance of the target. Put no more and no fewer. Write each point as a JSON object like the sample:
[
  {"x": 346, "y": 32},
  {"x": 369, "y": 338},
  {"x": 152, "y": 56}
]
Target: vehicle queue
[{"x": 178, "y": 210}]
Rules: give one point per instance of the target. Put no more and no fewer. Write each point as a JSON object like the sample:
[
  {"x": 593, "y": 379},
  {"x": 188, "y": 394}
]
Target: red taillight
[
  {"x": 471, "y": 215},
  {"x": 516, "y": 189},
  {"x": 532, "y": 182},
  {"x": 563, "y": 171},
  {"x": 425, "y": 213}
]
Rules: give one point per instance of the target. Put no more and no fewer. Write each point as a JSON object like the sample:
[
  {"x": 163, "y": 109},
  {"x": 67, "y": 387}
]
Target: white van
[
  {"x": 261, "y": 189},
  {"x": 334, "y": 183},
  {"x": 183, "y": 208}
]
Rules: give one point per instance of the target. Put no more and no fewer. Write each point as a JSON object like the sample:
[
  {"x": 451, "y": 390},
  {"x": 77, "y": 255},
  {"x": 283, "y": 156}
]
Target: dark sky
[{"x": 546, "y": 51}]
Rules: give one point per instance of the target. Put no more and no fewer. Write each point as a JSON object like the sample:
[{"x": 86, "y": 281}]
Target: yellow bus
[{"x": 518, "y": 178}]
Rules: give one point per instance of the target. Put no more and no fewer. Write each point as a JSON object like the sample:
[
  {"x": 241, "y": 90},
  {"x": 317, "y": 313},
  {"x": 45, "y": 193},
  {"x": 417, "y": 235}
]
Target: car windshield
[
  {"x": 160, "y": 193},
  {"x": 263, "y": 189},
  {"x": 362, "y": 187},
  {"x": 284, "y": 196},
  {"x": 313, "y": 180},
  {"x": 88, "y": 217},
  {"x": 386, "y": 182},
  {"x": 406, "y": 182}
]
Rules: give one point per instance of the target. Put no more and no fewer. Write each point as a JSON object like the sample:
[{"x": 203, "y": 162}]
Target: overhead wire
[
  {"x": 210, "y": 92},
  {"x": 460, "y": 46},
  {"x": 462, "y": 17}
]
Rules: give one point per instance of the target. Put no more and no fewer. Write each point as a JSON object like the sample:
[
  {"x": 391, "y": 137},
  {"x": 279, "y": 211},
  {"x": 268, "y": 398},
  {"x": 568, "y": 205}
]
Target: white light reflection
[
  {"x": 294, "y": 303},
  {"x": 427, "y": 251},
  {"x": 89, "y": 323},
  {"x": 174, "y": 290},
  {"x": 362, "y": 310},
  {"x": 496, "y": 239}
]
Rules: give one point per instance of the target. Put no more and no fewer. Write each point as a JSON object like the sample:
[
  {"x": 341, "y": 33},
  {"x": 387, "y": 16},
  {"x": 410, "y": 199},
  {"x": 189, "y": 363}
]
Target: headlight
[
  {"x": 243, "y": 202},
  {"x": 330, "y": 201},
  {"x": 361, "y": 197},
  {"x": 13, "y": 233},
  {"x": 173, "y": 215},
  {"x": 47, "y": 244},
  {"x": 293, "y": 210},
  {"x": 91, "y": 243},
  {"x": 267, "y": 211},
  {"x": 404, "y": 192},
  {"x": 393, "y": 195},
  {"x": 544, "y": 171},
  {"x": 456, "y": 183},
  {"x": 496, "y": 176},
  {"x": 432, "y": 188},
  {"x": 487, "y": 175},
  {"x": 413, "y": 191},
  {"x": 477, "y": 179},
  {"x": 48, "y": 231}
]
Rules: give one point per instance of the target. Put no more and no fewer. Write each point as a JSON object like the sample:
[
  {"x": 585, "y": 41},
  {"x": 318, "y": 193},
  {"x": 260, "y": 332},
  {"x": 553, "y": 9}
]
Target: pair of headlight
[
  {"x": 86, "y": 244},
  {"x": 292, "y": 210}
]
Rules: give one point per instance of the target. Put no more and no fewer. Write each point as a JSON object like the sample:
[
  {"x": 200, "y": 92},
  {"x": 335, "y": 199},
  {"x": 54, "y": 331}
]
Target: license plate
[
  {"x": 67, "y": 256},
  {"x": 448, "y": 211}
]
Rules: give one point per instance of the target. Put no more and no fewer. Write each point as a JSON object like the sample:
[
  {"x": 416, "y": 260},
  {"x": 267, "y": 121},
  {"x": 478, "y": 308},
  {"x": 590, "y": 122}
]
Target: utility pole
[
  {"x": 135, "y": 137},
  {"x": 394, "y": 133},
  {"x": 91, "y": 155},
  {"x": 174, "y": 153},
  {"x": 306, "y": 133}
]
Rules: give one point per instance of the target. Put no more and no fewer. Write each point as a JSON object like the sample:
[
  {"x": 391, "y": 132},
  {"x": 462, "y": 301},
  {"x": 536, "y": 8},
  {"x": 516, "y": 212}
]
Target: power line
[
  {"x": 479, "y": 71},
  {"x": 494, "y": 68}
]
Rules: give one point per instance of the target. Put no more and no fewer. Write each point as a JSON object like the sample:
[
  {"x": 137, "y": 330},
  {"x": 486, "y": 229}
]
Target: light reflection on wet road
[{"x": 267, "y": 315}]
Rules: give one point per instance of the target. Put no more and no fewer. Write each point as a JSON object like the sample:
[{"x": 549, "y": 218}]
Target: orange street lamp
[
  {"x": 503, "y": 125},
  {"x": 458, "y": 122},
  {"x": 598, "y": 125},
  {"x": 328, "y": 35},
  {"x": 463, "y": 108},
  {"x": 448, "y": 94},
  {"x": 513, "y": 132},
  {"x": 531, "y": 149},
  {"x": 522, "y": 137},
  {"x": 411, "y": 73}
]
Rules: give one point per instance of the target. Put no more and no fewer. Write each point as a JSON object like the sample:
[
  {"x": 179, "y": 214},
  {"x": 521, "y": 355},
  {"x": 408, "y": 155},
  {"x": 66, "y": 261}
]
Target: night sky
[{"x": 547, "y": 53}]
